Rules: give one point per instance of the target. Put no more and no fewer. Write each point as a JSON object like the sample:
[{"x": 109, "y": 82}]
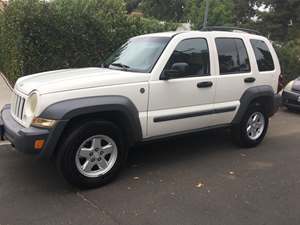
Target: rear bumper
[
  {"x": 277, "y": 103},
  {"x": 23, "y": 139},
  {"x": 291, "y": 99}
]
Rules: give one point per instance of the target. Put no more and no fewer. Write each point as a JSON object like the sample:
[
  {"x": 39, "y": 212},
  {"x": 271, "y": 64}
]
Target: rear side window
[
  {"x": 263, "y": 56},
  {"x": 233, "y": 56}
]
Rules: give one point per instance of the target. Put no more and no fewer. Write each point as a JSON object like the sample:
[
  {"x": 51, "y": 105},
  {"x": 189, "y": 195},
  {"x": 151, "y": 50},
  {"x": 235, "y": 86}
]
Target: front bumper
[
  {"x": 291, "y": 99},
  {"x": 23, "y": 139}
]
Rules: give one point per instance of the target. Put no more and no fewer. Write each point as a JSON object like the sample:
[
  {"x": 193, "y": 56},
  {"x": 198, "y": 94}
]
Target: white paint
[
  {"x": 161, "y": 97},
  {"x": 74, "y": 79}
]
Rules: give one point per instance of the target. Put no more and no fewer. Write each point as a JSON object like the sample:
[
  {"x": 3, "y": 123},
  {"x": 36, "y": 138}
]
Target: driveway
[{"x": 192, "y": 180}]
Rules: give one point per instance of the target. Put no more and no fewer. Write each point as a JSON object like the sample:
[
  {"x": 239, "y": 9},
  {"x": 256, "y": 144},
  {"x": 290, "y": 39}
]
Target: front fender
[{"x": 66, "y": 110}]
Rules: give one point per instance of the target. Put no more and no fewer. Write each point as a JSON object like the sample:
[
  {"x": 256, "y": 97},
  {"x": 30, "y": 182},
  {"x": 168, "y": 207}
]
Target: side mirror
[{"x": 177, "y": 70}]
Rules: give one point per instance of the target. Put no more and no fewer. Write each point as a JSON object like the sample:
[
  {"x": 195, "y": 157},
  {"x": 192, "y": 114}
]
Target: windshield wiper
[{"x": 121, "y": 65}]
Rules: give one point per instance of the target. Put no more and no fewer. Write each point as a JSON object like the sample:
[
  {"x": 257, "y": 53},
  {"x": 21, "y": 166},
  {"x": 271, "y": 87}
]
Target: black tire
[
  {"x": 74, "y": 138},
  {"x": 239, "y": 131}
]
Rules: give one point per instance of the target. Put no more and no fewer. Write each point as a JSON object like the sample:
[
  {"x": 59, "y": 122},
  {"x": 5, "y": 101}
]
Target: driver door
[{"x": 183, "y": 101}]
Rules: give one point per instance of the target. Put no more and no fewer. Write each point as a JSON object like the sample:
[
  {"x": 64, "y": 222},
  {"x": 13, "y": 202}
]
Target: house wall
[{"x": 3, "y": 3}]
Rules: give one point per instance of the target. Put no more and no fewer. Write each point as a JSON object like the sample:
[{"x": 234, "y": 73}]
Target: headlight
[
  {"x": 30, "y": 107},
  {"x": 289, "y": 86},
  {"x": 43, "y": 123}
]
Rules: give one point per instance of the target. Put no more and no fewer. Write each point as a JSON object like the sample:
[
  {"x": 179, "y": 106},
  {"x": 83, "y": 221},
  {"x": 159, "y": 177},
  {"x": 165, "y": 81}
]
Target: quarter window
[
  {"x": 233, "y": 56},
  {"x": 193, "y": 52},
  {"x": 263, "y": 56}
]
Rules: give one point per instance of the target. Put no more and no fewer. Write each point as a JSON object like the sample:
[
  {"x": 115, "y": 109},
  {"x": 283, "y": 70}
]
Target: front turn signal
[{"x": 39, "y": 144}]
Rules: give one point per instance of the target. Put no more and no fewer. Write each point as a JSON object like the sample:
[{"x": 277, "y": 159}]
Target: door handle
[
  {"x": 205, "y": 84},
  {"x": 249, "y": 80}
]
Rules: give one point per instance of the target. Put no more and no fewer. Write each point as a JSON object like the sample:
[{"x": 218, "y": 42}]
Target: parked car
[
  {"x": 291, "y": 95},
  {"x": 154, "y": 86}
]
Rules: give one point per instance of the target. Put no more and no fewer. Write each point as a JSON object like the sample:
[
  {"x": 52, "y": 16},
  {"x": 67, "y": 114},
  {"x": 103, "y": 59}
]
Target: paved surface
[
  {"x": 5, "y": 92},
  {"x": 193, "y": 180}
]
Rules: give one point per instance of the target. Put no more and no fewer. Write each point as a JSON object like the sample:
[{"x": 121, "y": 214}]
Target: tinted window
[
  {"x": 263, "y": 56},
  {"x": 233, "y": 57},
  {"x": 193, "y": 52}
]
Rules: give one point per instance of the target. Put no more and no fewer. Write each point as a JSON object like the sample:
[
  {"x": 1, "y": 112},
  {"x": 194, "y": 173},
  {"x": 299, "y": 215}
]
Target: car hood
[
  {"x": 72, "y": 79},
  {"x": 296, "y": 85}
]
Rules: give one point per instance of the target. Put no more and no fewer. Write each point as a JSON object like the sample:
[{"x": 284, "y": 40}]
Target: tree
[
  {"x": 281, "y": 21},
  {"x": 244, "y": 11},
  {"x": 220, "y": 12},
  {"x": 40, "y": 35},
  {"x": 193, "y": 13},
  {"x": 164, "y": 10},
  {"x": 132, "y": 5},
  {"x": 289, "y": 55}
]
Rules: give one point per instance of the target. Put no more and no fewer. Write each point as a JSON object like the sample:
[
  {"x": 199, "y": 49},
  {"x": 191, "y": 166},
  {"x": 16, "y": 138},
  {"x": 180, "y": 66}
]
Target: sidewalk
[{"x": 5, "y": 92}]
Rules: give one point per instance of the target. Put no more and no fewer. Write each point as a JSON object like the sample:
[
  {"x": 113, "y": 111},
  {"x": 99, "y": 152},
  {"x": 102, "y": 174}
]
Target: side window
[
  {"x": 263, "y": 56},
  {"x": 233, "y": 56},
  {"x": 194, "y": 53}
]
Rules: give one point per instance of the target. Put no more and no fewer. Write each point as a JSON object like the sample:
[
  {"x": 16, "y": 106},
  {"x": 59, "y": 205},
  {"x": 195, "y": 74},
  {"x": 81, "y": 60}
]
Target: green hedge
[
  {"x": 39, "y": 35},
  {"x": 289, "y": 56}
]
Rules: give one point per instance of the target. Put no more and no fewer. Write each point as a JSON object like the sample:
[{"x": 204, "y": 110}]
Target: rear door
[{"x": 235, "y": 76}]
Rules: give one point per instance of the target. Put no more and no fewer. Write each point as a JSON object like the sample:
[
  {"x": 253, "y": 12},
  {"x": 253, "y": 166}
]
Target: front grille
[{"x": 17, "y": 106}]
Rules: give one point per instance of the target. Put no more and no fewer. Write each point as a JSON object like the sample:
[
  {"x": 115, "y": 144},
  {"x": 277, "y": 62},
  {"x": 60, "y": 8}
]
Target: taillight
[{"x": 280, "y": 83}]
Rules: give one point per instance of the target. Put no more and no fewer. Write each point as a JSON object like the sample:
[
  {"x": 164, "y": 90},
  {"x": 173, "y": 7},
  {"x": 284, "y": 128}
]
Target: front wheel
[
  {"x": 253, "y": 127},
  {"x": 92, "y": 154}
]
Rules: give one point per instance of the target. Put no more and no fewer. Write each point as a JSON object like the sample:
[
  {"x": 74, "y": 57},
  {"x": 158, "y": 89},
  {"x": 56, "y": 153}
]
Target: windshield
[{"x": 138, "y": 54}]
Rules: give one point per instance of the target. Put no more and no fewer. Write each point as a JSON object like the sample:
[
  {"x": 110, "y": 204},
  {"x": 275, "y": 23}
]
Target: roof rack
[{"x": 232, "y": 29}]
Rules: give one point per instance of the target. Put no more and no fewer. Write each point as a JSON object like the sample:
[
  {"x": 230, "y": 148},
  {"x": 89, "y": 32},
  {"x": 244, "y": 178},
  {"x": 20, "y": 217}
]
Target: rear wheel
[
  {"x": 92, "y": 154},
  {"x": 253, "y": 127}
]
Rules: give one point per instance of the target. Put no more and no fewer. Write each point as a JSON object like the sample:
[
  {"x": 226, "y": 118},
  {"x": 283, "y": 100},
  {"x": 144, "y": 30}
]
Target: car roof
[
  {"x": 214, "y": 33},
  {"x": 161, "y": 34}
]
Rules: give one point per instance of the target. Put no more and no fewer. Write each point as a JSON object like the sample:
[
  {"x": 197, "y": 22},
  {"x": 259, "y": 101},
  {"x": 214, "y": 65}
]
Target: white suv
[{"x": 154, "y": 86}]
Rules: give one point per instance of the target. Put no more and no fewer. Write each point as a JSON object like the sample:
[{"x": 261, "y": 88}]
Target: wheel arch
[
  {"x": 117, "y": 109},
  {"x": 261, "y": 95}
]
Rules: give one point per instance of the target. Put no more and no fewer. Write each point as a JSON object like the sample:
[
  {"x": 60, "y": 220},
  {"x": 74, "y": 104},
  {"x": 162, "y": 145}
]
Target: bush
[
  {"x": 39, "y": 35},
  {"x": 289, "y": 56}
]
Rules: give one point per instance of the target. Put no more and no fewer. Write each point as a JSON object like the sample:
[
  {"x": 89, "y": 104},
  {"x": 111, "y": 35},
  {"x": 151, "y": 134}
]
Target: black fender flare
[
  {"x": 66, "y": 110},
  {"x": 253, "y": 93}
]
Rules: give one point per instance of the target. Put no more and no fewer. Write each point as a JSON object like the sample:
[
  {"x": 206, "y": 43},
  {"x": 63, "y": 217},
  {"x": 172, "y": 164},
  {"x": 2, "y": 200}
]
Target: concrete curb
[
  {"x": 4, "y": 98},
  {"x": 6, "y": 81},
  {"x": 4, "y": 143},
  {"x": 5, "y": 91}
]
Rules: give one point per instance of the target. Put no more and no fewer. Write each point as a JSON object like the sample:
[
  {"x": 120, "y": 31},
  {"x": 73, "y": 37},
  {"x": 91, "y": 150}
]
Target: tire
[
  {"x": 249, "y": 139},
  {"x": 79, "y": 141}
]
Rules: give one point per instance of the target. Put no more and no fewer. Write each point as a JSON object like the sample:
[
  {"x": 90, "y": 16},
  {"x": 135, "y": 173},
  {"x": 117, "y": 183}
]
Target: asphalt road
[{"x": 199, "y": 179}]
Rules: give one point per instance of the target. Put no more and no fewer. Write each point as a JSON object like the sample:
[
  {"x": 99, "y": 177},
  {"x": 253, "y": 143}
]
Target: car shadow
[
  {"x": 29, "y": 173},
  {"x": 181, "y": 148},
  {"x": 37, "y": 174}
]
